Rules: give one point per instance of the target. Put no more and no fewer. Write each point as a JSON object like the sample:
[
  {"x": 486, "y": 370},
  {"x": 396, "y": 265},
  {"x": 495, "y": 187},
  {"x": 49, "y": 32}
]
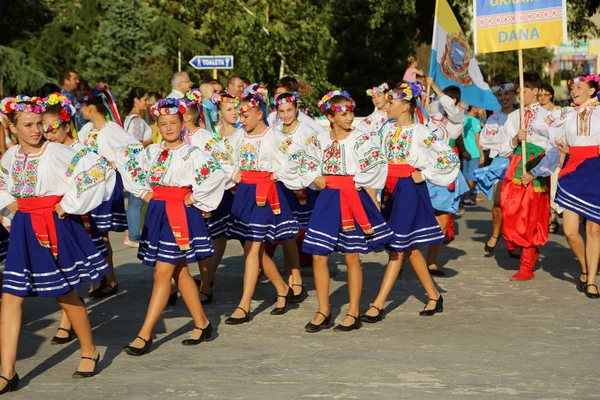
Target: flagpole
[
  {"x": 522, "y": 108},
  {"x": 433, "y": 40}
]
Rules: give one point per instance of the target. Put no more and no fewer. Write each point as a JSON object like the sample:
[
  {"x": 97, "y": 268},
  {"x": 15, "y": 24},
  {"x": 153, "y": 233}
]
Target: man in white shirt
[
  {"x": 180, "y": 83},
  {"x": 235, "y": 86}
]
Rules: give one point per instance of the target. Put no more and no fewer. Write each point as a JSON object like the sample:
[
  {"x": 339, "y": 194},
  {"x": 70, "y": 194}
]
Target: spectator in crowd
[
  {"x": 546, "y": 97},
  {"x": 410, "y": 75},
  {"x": 473, "y": 156},
  {"x": 245, "y": 82},
  {"x": 235, "y": 86},
  {"x": 180, "y": 84},
  {"x": 68, "y": 81}
]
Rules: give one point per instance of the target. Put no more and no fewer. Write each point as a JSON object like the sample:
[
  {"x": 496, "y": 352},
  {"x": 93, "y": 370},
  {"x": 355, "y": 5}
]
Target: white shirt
[
  {"x": 175, "y": 94},
  {"x": 493, "y": 137},
  {"x": 137, "y": 127},
  {"x": 448, "y": 116},
  {"x": 373, "y": 123},
  {"x": 274, "y": 120},
  {"x": 576, "y": 126}
]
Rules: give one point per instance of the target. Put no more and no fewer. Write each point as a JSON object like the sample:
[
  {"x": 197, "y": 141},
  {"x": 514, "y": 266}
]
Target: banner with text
[{"x": 502, "y": 25}]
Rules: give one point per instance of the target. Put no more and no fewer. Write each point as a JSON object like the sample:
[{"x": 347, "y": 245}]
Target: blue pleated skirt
[
  {"x": 95, "y": 235},
  {"x": 31, "y": 270},
  {"x": 253, "y": 223},
  {"x": 488, "y": 176},
  {"x": 325, "y": 234},
  {"x": 446, "y": 200},
  {"x": 110, "y": 215},
  {"x": 302, "y": 212},
  {"x": 218, "y": 221},
  {"x": 157, "y": 242},
  {"x": 410, "y": 215},
  {"x": 579, "y": 191},
  {"x": 4, "y": 237}
]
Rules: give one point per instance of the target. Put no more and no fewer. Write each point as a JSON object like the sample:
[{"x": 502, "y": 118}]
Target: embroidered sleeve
[
  {"x": 209, "y": 181},
  {"x": 372, "y": 164},
  {"x": 204, "y": 171},
  {"x": 133, "y": 163},
  {"x": 557, "y": 117},
  {"x": 5, "y": 197},
  {"x": 442, "y": 163},
  {"x": 92, "y": 177}
]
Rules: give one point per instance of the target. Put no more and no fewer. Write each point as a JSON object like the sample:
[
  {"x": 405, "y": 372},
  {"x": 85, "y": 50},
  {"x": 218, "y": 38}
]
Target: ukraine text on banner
[
  {"x": 502, "y": 25},
  {"x": 453, "y": 62}
]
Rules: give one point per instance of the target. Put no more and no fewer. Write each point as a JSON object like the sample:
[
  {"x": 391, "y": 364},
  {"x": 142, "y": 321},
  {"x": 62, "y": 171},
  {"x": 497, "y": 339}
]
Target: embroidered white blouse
[
  {"x": 373, "y": 122},
  {"x": 358, "y": 154},
  {"x": 493, "y": 137},
  {"x": 274, "y": 120},
  {"x": 181, "y": 166},
  {"x": 448, "y": 116},
  {"x": 576, "y": 126},
  {"x": 57, "y": 170},
  {"x": 422, "y": 149}
]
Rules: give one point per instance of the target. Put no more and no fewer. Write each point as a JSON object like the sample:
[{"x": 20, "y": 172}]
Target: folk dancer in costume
[
  {"x": 56, "y": 117},
  {"x": 447, "y": 116},
  {"x": 263, "y": 160},
  {"x": 489, "y": 179},
  {"x": 349, "y": 168},
  {"x": 109, "y": 140},
  {"x": 414, "y": 155},
  {"x": 178, "y": 182},
  {"x": 576, "y": 130},
  {"x": 47, "y": 186},
  {"x": 289, "y": 84},
  {"x": 525, "y": 197},
  {"x": 374, "y": 121},
  {"x": 301, "y": 201}
]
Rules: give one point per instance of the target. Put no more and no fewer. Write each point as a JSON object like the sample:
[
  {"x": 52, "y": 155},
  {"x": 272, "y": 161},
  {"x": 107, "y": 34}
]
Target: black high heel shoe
[
  {"x": 582, "y": 284},
  {"x": 205, "y": 335},
  {"x": 208, "y": 300},
  {"x": 98, "y": 292},
  {"x": 371, "y": 319},
  {"x": 289, "y": 297},
  {"x": 300, "y": 297},
  {"x": 12, "y": 384},
  {"x": 439, "y": 307},
  {"x": 313, "y": 328},
  {"x": 436, "y": 272},
  {"x": 591, "y": 295},
  {"x": 490, "y": 249},
  {"x": 139, "y": 351},
  {"x": 64, "y": 340},
  {"x": 80, "y": 374},
  {"x": 172, "y": 299},
  {"x": 239, "y": 321},
  {"x": 347, "y": 328}
]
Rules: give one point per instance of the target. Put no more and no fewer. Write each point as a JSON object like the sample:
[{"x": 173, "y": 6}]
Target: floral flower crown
[
  {"x": 221, "y": 98},
  {"x": 506, "y": 87},
  {"x": 587, "y": 78},
  {"x": 66, "y": 113},
  {"x": 192, "y": 97},
  {"x": 383, "y": 88},
  {"x": 249, "y": 106},
  {"x": 257, "y": 91},
  {"x": 93, "y": 92},
  {"x": 19, "y": 103},
  {"x": 168, "y": 106},
  {"x": 406, "y": 91},
  {"x": 279, "y": 99},
  {"x": 325, "y": 102}
]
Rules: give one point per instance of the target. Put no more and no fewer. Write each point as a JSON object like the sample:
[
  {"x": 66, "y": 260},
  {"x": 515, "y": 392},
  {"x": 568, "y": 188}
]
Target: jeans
[{"x": 134, "y": 213}]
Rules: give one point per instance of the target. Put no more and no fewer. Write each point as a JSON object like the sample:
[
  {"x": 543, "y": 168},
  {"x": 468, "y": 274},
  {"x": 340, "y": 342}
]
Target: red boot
[{"x": 529, "y": 256}]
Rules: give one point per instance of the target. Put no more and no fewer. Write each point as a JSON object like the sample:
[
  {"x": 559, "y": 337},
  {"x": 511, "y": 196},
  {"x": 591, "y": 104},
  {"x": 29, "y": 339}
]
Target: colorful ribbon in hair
[
  {"x": 259, "y": 98},
  {"x": 325, "y": 102},
  {"x": 107, "y": 99},
  {"x": 506, "y": 87},
  {"x": 587, "y": 78},
  {"x": 383, "y": 88},
  {"x": 21, "y": 103},
  {"x": 168, "y": 106},
  {"x": 67, "y": 110}
]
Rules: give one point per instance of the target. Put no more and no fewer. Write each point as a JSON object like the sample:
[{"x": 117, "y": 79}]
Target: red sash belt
[
  {"x": 265, "y": 189},
  {"x": 350, "y": 203},
  {"x": 174, "y": 196},
  {"x": 452, "y": 186},
  {"x": 395, "y": 171},
  {"x": 41, "y": 210},
  {"x": 577, "y": 155}
]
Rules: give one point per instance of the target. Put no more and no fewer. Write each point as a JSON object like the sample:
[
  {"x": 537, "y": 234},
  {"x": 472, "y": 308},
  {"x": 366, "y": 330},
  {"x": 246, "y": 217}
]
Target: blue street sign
[{"x": 212, "y": 62}]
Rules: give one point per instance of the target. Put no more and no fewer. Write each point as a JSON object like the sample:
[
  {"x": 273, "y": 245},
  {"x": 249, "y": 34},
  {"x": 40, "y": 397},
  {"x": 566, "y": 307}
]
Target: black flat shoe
[
  {"x": 208, "y": 300},
  {"x": 239, "y": 321},
  {"x": 513, "y": 254},
  {"x": 205, "y": 335},
  {"x": 288, "y": 299},
  {"x": 371, "y": 319},
  {"x": 63, "y": 340},
  {"x": 347, "y": 328},
  {"x": 98, "y": 292},
  {"x": 490, "y": 249},
  {"x": 101, "y": 293},
  {"x": 436, "y": 272},
  {"x": 139, "y": 351},
  {"x": 439, "y": 307},
  {"x": 80, "y": 374},
  {"x": 300, "y": 297},
  {"x": 12, "y": 384},
  {"x": 313, "y": 328},
  {"x": 582, "y": 284},
  {"x": 591, "y": 295},
  {"x": 172, "y": 299}
]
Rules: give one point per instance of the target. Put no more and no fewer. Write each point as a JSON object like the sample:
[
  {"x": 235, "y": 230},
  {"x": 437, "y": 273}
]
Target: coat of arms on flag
[{"x": 456, "y": 58}]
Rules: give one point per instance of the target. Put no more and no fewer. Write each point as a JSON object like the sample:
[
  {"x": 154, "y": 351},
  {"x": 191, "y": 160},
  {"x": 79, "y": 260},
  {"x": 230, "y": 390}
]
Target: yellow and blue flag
[{"x": 453, "y": 62}]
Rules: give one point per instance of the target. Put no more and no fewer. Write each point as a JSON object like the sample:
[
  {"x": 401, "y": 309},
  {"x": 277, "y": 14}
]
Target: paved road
[{"x": 496, "y": 339}]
